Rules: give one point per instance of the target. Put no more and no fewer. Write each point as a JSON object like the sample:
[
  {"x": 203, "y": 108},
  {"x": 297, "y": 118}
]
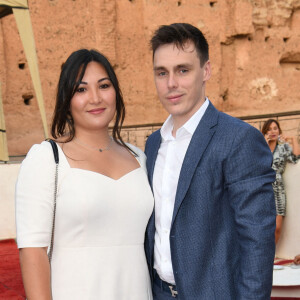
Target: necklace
[{"x": 78, "y": 142}]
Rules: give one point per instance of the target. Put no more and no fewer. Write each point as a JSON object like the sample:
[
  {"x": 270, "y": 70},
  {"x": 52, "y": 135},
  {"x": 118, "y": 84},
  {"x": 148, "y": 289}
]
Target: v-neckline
[
  {"x": 103, "y": 175},
  {"x": 275, "y": 148}
]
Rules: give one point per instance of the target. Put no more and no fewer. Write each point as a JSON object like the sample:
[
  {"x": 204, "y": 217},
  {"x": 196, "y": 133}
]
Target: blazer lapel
[
  {"x": 199, "y": 142},
  {"x": 151, "y": 154}
]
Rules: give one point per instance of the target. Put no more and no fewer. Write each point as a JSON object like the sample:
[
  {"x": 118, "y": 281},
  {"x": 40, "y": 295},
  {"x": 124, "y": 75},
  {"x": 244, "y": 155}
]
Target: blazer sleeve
[
  {"x": 35, "y": 197},
  {"x": 248, "y": 178}
]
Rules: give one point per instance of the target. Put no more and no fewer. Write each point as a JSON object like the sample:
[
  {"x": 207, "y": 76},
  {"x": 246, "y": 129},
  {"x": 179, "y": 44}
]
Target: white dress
[{"x": 100, "y": 226}]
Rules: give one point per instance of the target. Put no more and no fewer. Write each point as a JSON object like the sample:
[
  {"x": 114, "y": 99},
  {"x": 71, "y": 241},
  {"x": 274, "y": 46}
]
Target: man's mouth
[{"x": 174, "y": 98}]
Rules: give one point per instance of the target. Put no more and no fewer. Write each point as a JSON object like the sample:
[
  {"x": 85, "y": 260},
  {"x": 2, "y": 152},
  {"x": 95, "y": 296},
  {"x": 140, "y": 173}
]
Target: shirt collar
[{"x": 189, "y": 127}]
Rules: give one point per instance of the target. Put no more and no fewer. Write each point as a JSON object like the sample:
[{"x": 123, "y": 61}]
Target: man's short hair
[{"x": 179, "y": 34}]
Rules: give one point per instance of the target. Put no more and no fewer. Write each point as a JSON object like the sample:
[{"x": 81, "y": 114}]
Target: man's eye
[
  {"x": 183, "y": 71},
  {"x": 163, "y": 73}
]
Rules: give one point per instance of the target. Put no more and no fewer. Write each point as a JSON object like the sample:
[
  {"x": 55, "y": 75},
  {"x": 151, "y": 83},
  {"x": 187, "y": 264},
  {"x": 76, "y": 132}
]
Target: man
[{"x": 211, "y": 235}]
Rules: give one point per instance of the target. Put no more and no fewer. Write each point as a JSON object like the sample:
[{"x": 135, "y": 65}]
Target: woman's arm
[
  {"x": 34, "y": 215},
  {"x": 35, "y": 273},
  {"x": 291, "y": 157}
]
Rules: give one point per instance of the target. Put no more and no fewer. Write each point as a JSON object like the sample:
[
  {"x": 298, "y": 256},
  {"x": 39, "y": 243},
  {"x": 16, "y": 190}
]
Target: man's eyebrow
[
  {"x": 184, "y": 66},
  {"x": 187, "y": 65},
  {"x": 159, "y": 68}
]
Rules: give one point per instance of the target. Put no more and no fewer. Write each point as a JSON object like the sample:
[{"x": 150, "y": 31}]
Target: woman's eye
[
  {"x": 80, "y": 89},
  {"x": 104, "y": 86}
]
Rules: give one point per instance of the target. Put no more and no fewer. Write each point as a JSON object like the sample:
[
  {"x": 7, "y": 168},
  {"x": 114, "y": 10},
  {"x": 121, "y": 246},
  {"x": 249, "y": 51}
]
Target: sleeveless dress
[{"x": 100, "y": 226}]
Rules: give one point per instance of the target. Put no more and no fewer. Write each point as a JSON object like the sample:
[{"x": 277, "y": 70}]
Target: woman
[
  {"x": 103, "y": 199},
  {"x": 282, "y": 153}
]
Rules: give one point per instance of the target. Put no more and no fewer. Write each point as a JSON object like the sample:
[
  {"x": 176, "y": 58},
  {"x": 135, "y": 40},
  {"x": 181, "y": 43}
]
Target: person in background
[
  {"x": 211, "y": 235},
  {"x": 297, "y": 259},
  {"x": 104, "y": 200},
  {"x": 282, "y": 154}
]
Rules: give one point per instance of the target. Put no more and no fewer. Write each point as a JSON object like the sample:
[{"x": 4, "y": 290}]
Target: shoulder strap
[
  {"x": 55, "y": 150},
  {"x": 56, "y": 159}
]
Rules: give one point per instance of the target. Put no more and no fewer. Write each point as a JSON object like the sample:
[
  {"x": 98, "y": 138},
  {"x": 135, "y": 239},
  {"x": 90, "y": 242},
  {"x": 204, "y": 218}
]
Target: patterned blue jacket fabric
[{"x": 222, "y": 233}]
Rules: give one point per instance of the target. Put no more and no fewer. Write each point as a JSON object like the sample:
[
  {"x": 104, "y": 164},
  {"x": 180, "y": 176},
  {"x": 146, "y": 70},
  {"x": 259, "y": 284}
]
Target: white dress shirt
[{"x": 165, "y": 179}]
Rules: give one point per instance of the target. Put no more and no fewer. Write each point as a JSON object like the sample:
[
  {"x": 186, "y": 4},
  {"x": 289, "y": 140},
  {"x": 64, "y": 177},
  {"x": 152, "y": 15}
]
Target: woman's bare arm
[{"x": 35, "y": 273}]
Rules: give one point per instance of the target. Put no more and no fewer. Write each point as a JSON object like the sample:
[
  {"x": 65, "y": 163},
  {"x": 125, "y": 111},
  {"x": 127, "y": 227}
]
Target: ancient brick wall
[{"x": 254, "y": 51}]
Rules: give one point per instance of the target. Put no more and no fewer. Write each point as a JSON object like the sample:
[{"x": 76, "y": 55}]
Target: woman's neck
[
  {"x": 93, "y": 138},
  {"x": 272, "y": 145}
]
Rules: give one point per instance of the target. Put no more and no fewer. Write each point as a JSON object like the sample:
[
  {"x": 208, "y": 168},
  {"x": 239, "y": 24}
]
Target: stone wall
[{"x": 254, "y": 51}]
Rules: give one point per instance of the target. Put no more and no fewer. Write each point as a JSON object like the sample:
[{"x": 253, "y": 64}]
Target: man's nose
[{"x": 172, "y": 81}]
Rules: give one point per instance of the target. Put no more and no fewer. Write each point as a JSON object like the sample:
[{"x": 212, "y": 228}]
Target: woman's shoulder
[
  {"x": 136, "y": 150},
  {"x": 139, "y": 155},
  {"x": 38, "y": 165},
  {"x": 40, "y": 151}
]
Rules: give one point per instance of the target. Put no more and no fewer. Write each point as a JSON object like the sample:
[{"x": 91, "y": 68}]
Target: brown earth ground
[{"x": 254, "y": 51}]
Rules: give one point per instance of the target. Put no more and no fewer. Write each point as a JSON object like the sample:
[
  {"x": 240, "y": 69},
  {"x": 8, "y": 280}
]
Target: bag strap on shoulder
[
  {"x": 56, "y": 158},
  {"x": 55, "y": 150}
]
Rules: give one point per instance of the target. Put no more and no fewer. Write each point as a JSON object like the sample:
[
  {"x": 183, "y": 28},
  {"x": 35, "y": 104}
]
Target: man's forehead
[
  {"x": 187, "y": 46},
  {"x": 178, "y": 54}
]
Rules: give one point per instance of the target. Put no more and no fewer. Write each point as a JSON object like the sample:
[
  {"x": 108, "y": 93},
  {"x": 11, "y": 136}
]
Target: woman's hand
[
  {"x": 267, "y": 138},
  {"x": 282, "y": 139},
  {"x": 297, "y": 259},
  {"x": 35, "y": 273}
]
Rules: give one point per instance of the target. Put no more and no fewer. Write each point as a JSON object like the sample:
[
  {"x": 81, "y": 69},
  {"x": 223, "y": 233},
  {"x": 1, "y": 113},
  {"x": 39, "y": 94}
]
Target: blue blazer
[{"x": 222, "y": 233}]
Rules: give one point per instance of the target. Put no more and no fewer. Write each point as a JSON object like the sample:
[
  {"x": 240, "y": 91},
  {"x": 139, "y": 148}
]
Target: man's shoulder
[
  {"x": 232, "y": 125},
  {"x": 229, "y": 127},
  {"x": 154, "y": 136},
  {"x": 152, "y": 140},
  {"x": 237, "y": 132}
]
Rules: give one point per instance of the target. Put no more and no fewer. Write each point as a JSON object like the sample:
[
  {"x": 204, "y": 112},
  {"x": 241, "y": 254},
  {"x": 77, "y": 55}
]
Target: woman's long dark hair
[{"x": 71, "y": 75}]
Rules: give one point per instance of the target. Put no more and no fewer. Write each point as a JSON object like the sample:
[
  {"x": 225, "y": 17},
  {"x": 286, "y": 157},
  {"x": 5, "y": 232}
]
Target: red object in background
[
  {"x": 11, "y": 286},
  {"x": 283, "y": 262}
]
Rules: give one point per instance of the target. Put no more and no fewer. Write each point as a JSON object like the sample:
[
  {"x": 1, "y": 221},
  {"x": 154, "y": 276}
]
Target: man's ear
[{"x": 206, "y": 71}]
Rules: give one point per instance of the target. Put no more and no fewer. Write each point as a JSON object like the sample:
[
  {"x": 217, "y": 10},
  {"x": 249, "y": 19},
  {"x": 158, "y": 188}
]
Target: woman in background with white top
[
  {"x": 103, "y": 199},
  {"x": 282, "y": 154}
]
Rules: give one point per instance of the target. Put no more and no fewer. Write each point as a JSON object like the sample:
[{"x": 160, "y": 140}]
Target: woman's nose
[{"x": 95, "y": 96}]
